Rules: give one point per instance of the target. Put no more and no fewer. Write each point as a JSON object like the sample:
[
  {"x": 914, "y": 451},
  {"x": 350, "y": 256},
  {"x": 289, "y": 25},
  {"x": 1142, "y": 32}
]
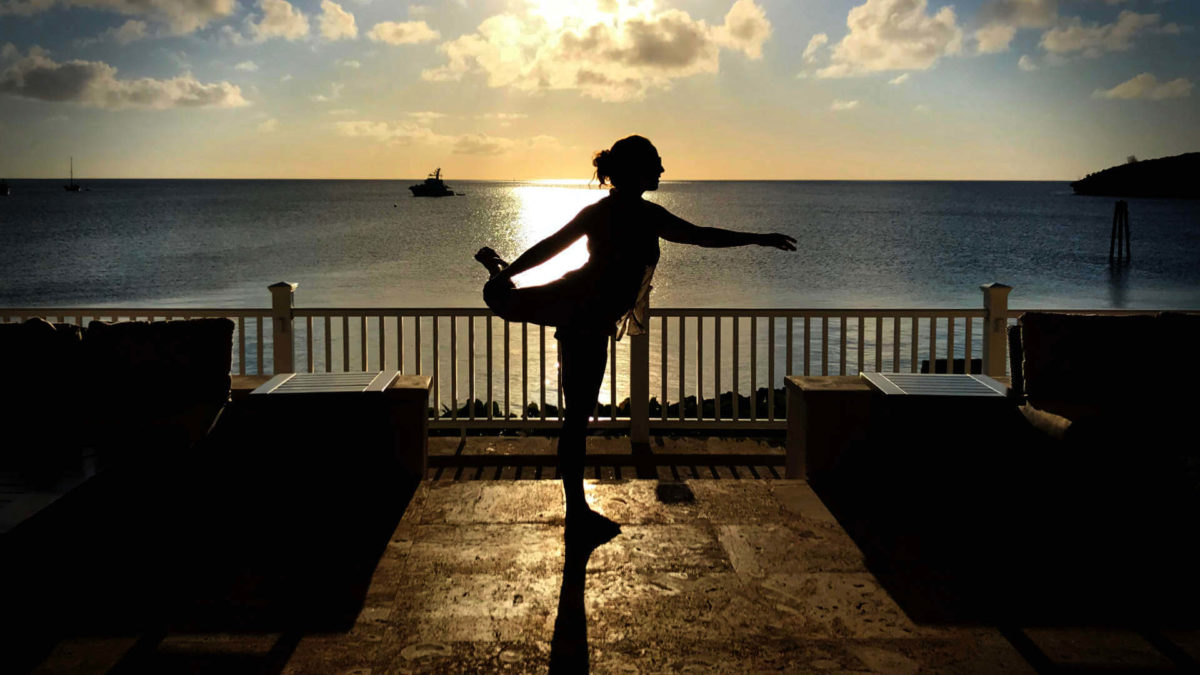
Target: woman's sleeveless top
[{"x": 623, "y": 248}]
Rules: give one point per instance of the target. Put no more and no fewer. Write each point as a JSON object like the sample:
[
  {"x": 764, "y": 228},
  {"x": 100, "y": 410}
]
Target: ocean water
[{"x": 220, "y": 243}]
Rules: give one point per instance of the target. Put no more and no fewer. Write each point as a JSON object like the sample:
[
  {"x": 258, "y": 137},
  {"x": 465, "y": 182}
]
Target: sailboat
[{"x": 71, "y": 185}]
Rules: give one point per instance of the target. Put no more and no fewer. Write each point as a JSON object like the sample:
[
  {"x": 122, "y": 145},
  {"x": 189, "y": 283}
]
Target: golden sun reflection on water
[{"x": 543, "y": 211}]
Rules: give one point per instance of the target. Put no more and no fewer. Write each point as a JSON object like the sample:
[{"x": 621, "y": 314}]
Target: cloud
[
  {"x": 1027, "y": 64},
  {"x": 745, "y": 29},
  {"x": 180, "y": 16},
  {"x": 815, "y": 42},
  {"x": 268, "y": 126},
  {"x": 1093, "y": 39},
  {"x": 349, "y": 63},
  {"x": 481, "y": 144},
  {"x": 899, "y": 79},
  {"x": 426, "y": 117},
  {"x": 999, "y": 21},
  {"x": 246, "y": 66},
  {"x": 335, "y": 92},
  {"x": 403, "y": 33},
  {"x": 335, "y": 22},
  {"x": 843, "y": 105},
  {"x": 411, "y": 133},
  {"x": 894, "y": 35},
  {"x": 95, "y": 84},
  {"x": 130, "y": 31},
  {"x": 279, "y": 20},
  {"x": 1147, "y": 86},
  {"x": 921, "y": 108},
  {"x": 501, "y": 116},
  {"x": 612, "y": 51}
]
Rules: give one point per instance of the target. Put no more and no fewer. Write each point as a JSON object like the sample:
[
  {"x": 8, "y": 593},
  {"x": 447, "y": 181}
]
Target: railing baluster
[
  {"x": 400, "y": 343},
  {"x": 916, "y": 337},
  {"x": 807, "y": 344},
  {"x": 753, "y": 368},
  {"x": 737, "y": 385},
  {"x": 825, "y": 345},
  {"x": 842, "y": 345},
  {"x": 328, "y": 345},
  {"x": 967, "y": 342},
  {"x": 682, "y": 367},
  {"x": 524, "y": 370},
  {"x": 417, "y": 344},
  {"x": 663, "y": 366},
  {"x": 258, "y": 332},
  {"x": 346, "y": 343},
  {"x": 862, "y": 342},
  {"x": 470, "y": 367},
  {"x": 878, "y": 344},
  {"x": 453, "y": 367},
  {"x": 717, "y": 368},
  {"x": 488, "y": 335},
  {"x": 895, "y": 344},
  {"x": 699, "y": 367},
  {"x": 308, "y": 342},
  {"x": 382, "y": 343},
  {"x": 507, "y": 371},
  {"x": 542, "y": 371},
  {"x": 241, "y": 345},
  {"x": 771, "y": 368},
  {"x": 558, "y": 380},
  {"x": 436, "y": 377},
  {"x": 789, "y": 366},
  {"x": 612, "y": 377},
  {"x": 933, "y": 344},
  {"x": 950, "y": 347},
  {"x": 362, "y": 336}
]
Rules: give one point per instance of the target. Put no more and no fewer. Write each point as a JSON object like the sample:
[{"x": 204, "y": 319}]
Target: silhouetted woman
[{"x": 606, "y": 297}]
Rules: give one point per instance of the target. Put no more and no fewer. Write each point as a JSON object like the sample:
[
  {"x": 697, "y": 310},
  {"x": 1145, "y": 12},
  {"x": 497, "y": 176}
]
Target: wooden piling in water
[{"x": 1119, "y": 239}]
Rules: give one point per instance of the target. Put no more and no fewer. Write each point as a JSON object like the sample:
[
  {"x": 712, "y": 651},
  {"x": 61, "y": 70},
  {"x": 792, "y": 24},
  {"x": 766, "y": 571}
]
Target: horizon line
[{"x": 580, "y": 181}]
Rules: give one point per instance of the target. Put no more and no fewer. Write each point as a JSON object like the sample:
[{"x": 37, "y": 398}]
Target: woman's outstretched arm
[
  {"x": 548, "y": 247},
  {"x": 676, "y": 229}
]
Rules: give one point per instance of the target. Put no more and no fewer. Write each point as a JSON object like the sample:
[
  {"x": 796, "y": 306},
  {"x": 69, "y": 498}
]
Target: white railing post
[
  {"x": 284, "y": 351},
  {"x": 995, "y": 328},
  {"x": 639, "y": 385}
]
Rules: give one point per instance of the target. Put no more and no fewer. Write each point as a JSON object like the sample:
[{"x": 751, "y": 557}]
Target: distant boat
[
  {"x": 432, "y": 187},
  {"x": 71, "y": 185},
  {"x": 4, "y": 189}
]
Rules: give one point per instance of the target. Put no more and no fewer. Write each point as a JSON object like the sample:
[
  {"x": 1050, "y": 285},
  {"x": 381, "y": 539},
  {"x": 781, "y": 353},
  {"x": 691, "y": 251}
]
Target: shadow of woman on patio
[{"x": 569, "y": 646}]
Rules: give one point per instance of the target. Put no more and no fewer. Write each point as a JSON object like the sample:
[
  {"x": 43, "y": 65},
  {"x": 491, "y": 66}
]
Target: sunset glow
[{"x": 528, "y": 89}]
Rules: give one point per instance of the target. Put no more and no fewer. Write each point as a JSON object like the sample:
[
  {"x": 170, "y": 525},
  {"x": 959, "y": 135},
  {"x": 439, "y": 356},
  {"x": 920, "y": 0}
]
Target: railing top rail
[
  {"x": 822, "y": 312},
  {"x": 483, "y": 311},
  {"x": 131, "y": 311},
  {"x": 1014, "y": 313}
]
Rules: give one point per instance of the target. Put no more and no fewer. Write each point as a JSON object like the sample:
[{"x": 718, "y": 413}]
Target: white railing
[{"x": 696, "y": 368}]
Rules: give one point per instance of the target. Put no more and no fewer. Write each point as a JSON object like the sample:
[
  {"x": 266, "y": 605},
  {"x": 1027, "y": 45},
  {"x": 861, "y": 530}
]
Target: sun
[{"x": 574, "y": 13}]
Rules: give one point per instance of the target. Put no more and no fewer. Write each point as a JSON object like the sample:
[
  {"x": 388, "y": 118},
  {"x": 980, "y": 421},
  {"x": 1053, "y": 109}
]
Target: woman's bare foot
[{"x": 490, "y": 260}]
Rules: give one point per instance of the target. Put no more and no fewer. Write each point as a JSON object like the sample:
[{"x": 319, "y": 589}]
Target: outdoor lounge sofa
[
  {"x": 1115, "y": 389},
  {"x": 126, "y": 396}
]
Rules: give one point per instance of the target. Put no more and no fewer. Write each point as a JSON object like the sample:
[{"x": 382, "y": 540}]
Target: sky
[{"x": 529, "y": 89}]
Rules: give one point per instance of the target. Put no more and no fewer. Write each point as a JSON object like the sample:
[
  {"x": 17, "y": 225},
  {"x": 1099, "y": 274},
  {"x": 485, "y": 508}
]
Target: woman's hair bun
[{"x": 628, "y": 156}]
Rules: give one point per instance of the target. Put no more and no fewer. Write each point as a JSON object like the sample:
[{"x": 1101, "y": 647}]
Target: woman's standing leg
[{"x": 583, "y": 359}]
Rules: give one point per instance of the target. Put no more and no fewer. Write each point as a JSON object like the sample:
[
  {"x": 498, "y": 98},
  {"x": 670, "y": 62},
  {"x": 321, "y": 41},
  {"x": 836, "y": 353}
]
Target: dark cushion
[
  {"x": 38, "y": 396},
  {"x": 161, "y": 367},
  {"x": 1101, "y": 360}
]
